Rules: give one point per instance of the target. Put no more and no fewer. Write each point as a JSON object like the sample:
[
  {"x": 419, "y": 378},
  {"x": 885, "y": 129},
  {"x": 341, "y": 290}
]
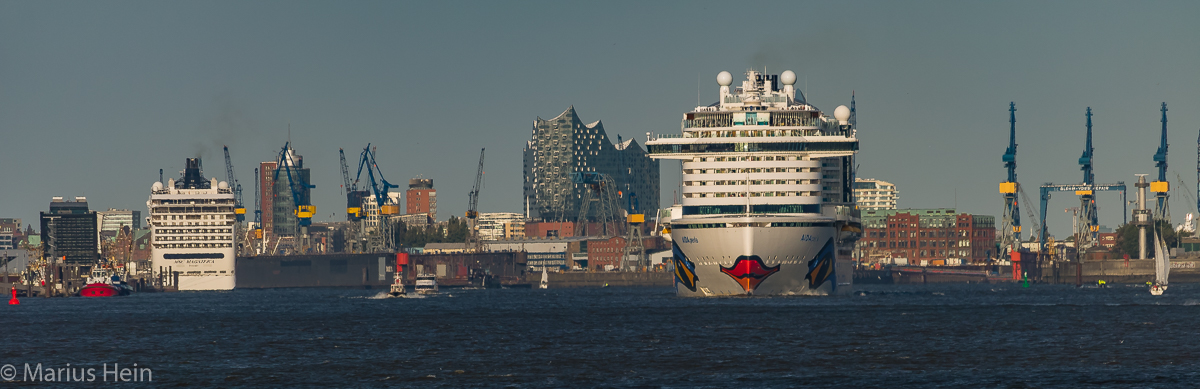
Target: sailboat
[
  {"x": 1162, "y": 266},
  {"x": 545, "y": 279}
]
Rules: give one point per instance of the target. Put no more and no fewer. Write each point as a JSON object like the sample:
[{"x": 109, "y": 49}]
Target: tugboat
[{"x": 101, "y": 284}]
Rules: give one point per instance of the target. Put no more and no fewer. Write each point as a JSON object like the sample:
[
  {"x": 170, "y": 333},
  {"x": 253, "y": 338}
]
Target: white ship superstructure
[
  {"x": 768, "y": 206},
  {"x": 193, "y": 226}
]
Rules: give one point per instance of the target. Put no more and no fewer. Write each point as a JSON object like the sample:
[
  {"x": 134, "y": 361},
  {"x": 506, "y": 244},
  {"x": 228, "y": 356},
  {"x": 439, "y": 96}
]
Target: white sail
[
  {"x": 545, "y": 279},
  {"x": 1162, "y": 260}
]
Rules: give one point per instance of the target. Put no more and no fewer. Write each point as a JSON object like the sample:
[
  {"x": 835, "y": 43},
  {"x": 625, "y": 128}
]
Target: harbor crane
[
  {"x": 379, "y": 188},
  {"x": 1088, "y": 218},
  {"x": 304, "y": 209},
  {"x": 1011, "y": 238},
  {"x": 239, "y": 209},
  {"x": 601, "y": 188},
  {"x": 473, "y": 208},
  {"x": 354, "y": 196},
  {"x": 382, "y": 239},
  {"x": 1161, "y": 188},
  {"x": 258, "y": 233}
]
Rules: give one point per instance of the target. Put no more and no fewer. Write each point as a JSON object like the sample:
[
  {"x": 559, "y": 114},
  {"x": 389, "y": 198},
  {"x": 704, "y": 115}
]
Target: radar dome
[
  {"x": 724, "y": 78},
  {"x": 842, "y": 114},
  {"x": 222, "y": 185},
  {"x": 156, "y": 187},
  {"x": 788, "y": 77}
]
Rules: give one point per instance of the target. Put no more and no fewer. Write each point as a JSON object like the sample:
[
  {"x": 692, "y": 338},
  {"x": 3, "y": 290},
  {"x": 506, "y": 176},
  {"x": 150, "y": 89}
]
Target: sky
[{"x": 95, "y": 97}]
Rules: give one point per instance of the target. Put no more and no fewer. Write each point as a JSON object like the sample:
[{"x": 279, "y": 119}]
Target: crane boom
[
  {"x": 239, "y": 209},
  {"x": 345, "y": 172},
  {"x": 473, "y": 207}
]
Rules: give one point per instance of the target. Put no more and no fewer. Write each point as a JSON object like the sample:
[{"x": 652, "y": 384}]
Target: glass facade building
[{"x": 564, "y": 145}]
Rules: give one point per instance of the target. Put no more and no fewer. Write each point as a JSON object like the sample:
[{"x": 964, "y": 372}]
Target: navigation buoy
[
  {"x": 1026, "y": 283},
  {"x": 14, "y": 300}
]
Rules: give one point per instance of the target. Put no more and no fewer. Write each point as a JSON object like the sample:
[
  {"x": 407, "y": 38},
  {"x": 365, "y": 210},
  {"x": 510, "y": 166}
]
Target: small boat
[
  {"x": 398, "y": 287},
  {"x": 426, "y": 284},
  {"x": 1162, "y": 266},
  {"x": 545, "y": 279}
]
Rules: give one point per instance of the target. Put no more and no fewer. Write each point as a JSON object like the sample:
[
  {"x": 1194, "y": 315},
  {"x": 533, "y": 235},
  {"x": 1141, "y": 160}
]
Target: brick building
[
  {"x": 603, "y": 252},
  {"x": 931, "y": 235},
  {"x": 421, "y": 198}
]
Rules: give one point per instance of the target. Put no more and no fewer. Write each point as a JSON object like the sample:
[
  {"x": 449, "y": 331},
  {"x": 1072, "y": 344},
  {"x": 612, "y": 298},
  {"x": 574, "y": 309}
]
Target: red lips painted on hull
[{"x": 749, "y": 271}]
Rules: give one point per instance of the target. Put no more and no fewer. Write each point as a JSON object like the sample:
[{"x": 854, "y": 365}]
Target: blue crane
[
  {"x": 304, "y": 210},
  {"x": 1012, "y": 209},
  {"x": 239, "y": 210},
  {"x": 379, "y": 188},
  {"x": 1161, "y": 187},
  {"x": 1088, "y": 218}
]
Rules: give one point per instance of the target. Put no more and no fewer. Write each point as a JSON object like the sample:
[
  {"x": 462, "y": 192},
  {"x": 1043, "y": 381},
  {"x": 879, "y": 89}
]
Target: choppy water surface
[{"x": 916, "y": 336}]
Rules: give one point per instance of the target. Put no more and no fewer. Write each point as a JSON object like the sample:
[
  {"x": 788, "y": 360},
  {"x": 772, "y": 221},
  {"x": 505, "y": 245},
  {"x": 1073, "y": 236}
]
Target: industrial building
[
  {"x": 875, "y": 194},
  {"x": 421, "y": 198},
  {"x": 69, "y": 232},
  {"x": 563, "y": 146},
  {"x": 926, "y": 237}
]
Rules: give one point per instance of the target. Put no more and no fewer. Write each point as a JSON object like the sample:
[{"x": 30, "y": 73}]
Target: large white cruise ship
[
  {"x": 768, "y": 206},
  {"x": 192, "y": 222}
]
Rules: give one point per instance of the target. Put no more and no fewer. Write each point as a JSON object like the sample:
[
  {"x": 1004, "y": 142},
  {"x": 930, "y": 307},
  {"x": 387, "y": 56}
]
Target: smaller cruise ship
[{"x": 193, "y": 225}]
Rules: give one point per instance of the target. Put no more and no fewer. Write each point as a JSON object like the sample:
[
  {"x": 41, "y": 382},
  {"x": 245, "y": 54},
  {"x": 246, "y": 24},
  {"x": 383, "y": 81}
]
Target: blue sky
[{"x": 95, "y": 97}]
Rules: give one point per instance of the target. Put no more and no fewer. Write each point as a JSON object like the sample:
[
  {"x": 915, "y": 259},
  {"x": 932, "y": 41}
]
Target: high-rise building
[
  {"x": 875, "y": 194},
  {"x": 421, "y": 198},
  {"x": 69, "y": 232},
  {"x": 113, "y": 219},
  {"x": 266, "y": 184},
  {"x": 565, "y": 145}
]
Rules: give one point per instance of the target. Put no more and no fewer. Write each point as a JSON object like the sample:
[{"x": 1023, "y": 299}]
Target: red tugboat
[{"x": 100, "y": 285}]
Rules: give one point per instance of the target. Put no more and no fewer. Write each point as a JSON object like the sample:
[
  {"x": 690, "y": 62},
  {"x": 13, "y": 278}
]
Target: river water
[{"x": 991, "y": 336}]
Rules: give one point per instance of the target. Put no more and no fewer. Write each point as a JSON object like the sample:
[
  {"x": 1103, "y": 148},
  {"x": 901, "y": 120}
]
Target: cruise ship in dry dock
[
  {"x": 192, "y": 223},
  {"x": 768, "y": 205}
]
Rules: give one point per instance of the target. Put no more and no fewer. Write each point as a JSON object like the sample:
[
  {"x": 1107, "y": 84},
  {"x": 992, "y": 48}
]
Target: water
[{"x": 885, "y": 336}]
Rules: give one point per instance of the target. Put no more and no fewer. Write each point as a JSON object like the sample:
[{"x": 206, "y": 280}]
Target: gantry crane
[
  {"x": 1011, "y": 238},
  {"x": 473, "y": 207},
  {"x": 239, "y": 210}
]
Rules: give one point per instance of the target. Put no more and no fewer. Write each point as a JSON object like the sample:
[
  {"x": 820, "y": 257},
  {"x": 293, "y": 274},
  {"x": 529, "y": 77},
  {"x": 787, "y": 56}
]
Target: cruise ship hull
[
  {"x": 742, "y": 259},
  {"x": 201, "y": 273}
]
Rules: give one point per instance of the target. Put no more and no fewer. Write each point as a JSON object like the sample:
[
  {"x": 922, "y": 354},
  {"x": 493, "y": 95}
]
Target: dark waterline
[{"x": 995, "y": 336}]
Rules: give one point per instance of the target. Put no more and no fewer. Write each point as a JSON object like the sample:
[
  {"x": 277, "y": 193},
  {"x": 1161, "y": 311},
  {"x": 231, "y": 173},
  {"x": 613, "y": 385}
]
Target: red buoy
[{"x": 14, "y": 300}]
